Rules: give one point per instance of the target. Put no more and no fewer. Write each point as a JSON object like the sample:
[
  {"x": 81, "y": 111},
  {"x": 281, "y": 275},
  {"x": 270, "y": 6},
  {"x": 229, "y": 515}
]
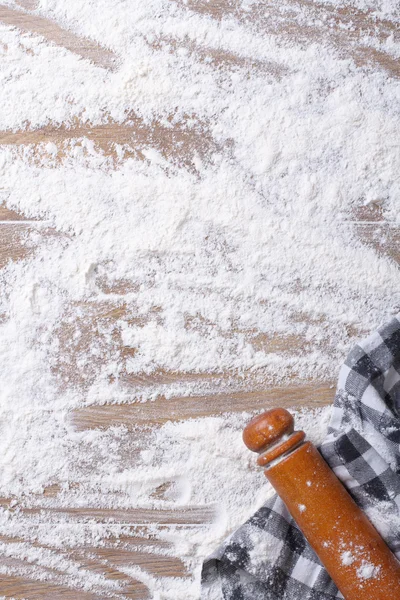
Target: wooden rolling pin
[{"x": 350, "y": 548}]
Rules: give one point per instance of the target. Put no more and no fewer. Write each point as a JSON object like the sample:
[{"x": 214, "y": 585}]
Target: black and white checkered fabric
[{"x": 363, "y": 449}]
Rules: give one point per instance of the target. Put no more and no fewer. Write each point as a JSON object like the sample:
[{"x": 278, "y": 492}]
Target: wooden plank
[
  {"x": 14, "y": 235},
  {"x": 346, "y": 28},
  {"x": 12, "y": 247},
  {"x": 375, "y": 231},
  {"x": 129, "y": 540},
  {"x": 22, "y": 588},
  {"x": 156, "y": 564},
  {"x": 95, "y": 320},
  {"x": 108, "y": 558},
  {"x": 52, "y": 32},
  {"x": 176, "y": 142},
  {"x": 28, "y": 4},
  {"x": 383, "y": 237},
  {"x": 219, "y": 58},
  {"x": 10, "y": 215},
  {"x": 191, "y": 515},
  {"x": 28, "y": 580},
  {"x": 351, "y": 20},
  {"x": 310, "y": 395}
]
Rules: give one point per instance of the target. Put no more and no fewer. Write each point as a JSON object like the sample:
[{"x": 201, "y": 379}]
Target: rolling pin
[{"x": 351, "y": 550}]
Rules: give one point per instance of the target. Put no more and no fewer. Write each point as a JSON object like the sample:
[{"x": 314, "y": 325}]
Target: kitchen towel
[{"x": 268, "y": 557}]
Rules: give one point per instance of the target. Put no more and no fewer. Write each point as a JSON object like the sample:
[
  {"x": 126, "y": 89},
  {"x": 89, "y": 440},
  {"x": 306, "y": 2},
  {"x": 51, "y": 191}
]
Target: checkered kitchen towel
[{"x": 363, "y": 449}]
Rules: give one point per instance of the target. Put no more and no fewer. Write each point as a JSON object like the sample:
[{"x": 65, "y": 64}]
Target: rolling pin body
[{"x": 352, "y": 551}]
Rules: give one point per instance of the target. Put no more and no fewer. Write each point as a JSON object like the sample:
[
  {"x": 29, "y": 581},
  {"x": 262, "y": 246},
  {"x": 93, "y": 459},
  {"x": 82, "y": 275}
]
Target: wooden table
[{"x": 344, "y": 28}]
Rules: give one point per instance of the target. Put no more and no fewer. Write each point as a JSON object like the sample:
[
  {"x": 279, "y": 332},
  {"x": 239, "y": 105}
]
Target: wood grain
[
  {"x": 33, "y": 582},
  {"x": 10, "y": 215},
  {"x": 15, "y": 242},
  {"x": 12, "y": 246},
  {"x": 376, "y": 232},
  {"x": 121, "y": 552},
  {"x": 21, "y": 588},
  {"x": 177, "y": 142},
  {"x": 52, "y": 32},
  {"x": 126, "y": 516},
  {"x": 348, "y": 29},
  {"x": 162, "y": 410}
]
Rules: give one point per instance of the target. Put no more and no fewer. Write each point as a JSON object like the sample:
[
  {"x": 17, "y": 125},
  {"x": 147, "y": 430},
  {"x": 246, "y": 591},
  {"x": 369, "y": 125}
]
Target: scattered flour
[
  {"x": 215, "y": 250},
  {"x": 347, "y": 558},
  {"x": 368, "y": 570}
]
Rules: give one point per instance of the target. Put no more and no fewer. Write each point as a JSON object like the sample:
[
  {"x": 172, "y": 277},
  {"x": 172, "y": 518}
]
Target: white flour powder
[{"x": 220, "y": 229}]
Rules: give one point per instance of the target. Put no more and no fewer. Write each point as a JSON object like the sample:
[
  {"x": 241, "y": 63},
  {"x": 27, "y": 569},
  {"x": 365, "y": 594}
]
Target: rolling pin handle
[{"x": 272, "y": 436}]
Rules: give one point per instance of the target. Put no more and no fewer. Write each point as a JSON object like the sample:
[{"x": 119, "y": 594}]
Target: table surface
[{"x": 346, "y": 30}]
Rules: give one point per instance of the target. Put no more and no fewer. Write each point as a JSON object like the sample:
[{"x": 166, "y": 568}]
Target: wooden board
[{"x": 346, "y": 29}]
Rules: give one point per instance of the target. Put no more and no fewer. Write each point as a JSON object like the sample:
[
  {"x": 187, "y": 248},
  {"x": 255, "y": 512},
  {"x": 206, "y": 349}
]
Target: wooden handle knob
[{"x": 272, "y": 435}]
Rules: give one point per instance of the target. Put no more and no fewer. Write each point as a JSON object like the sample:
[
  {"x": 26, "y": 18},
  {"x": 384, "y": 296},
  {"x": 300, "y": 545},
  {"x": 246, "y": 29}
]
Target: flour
[
  {"x": 347, "y": 558},
  {"x": 368, "y": 570},
  {"x": 215, "y": 253}
]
